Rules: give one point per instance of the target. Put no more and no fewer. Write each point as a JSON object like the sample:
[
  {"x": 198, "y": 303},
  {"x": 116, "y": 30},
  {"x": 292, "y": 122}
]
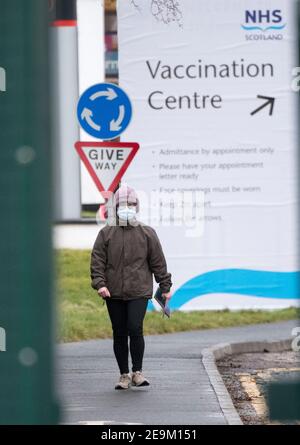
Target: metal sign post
[{"x": 64, "y": 95}]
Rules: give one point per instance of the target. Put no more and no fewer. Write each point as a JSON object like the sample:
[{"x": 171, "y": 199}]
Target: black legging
[{"x": 127, "y": 320}]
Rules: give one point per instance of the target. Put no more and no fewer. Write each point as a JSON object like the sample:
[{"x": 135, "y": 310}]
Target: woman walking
[{"x": 124, "y": 259}]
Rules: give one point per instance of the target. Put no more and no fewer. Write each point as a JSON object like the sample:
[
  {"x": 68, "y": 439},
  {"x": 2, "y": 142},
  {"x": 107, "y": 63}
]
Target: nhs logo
[{"x": 263, "y": 20}]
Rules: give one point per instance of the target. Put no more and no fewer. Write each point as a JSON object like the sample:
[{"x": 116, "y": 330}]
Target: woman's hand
[
  {"x": 167, "y": 295},
  {"x": 103, "y": 292}
]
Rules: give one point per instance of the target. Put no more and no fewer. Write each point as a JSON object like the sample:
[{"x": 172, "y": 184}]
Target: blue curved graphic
[
  {"x": 260, "y": 28},
  {"x": 254, "y": 283},
  {"x": 150, "y": 306}
]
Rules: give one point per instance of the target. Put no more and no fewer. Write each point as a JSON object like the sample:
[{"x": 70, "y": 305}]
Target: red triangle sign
[{"x": 106, "y": 162}]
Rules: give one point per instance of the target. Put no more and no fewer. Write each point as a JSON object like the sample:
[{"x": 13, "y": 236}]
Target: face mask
[{"x": 126, "y": 213}]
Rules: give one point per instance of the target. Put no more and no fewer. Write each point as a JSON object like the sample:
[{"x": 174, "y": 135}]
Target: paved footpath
[{"x": 180, "y": 392}]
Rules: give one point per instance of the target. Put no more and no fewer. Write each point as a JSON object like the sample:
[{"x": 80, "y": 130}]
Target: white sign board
[{"x": 214, "y": 113}]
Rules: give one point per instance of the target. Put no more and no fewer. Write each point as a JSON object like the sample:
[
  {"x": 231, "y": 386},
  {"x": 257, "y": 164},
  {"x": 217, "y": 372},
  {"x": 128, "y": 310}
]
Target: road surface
[{"x": 180, "y": 392}]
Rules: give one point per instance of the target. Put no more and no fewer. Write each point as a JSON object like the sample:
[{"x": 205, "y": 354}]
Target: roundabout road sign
[{"x": 104, "y": 111}]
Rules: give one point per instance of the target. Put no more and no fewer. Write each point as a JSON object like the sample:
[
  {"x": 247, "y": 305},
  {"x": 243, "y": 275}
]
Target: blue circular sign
[{"x": 104, "y": 111}]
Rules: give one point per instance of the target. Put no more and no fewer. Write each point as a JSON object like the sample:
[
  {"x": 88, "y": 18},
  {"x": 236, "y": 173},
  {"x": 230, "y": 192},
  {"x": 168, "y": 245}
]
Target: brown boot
[
  {"x": 138, "y": 379},
  {"x": 124, "y": 382}
]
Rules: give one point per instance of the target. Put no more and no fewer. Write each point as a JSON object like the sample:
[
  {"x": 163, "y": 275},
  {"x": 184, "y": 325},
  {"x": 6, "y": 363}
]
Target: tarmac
[{"x": 180, "y": 392}]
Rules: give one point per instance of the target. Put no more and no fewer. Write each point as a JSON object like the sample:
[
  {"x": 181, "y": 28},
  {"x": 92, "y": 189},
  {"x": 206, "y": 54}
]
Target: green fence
[{"x": 26, "y": 296}]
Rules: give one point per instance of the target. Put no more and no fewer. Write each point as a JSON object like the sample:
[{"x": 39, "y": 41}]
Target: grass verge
[{"x": 83, "y": 316}]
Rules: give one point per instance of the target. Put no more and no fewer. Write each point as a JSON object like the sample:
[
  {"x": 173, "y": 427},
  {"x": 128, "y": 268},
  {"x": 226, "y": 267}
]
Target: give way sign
[{"x": 106, "y": 162}]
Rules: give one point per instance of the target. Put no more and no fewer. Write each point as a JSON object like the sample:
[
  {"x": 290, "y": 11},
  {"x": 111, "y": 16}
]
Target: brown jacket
[{"x": 125, "y": 257}]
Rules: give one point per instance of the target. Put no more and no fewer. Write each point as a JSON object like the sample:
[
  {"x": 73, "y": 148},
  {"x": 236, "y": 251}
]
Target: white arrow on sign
[
  {"x": 87, "y": 114},
  {"x": 115, "y": 125},
  {"x": 110, "y": 94}
]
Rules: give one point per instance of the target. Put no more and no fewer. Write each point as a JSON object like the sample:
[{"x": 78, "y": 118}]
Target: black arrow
[{"x": 269, "y": 101}]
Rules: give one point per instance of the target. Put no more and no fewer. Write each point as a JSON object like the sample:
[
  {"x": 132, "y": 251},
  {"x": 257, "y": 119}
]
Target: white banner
[{"x": 216, "y": 119}]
